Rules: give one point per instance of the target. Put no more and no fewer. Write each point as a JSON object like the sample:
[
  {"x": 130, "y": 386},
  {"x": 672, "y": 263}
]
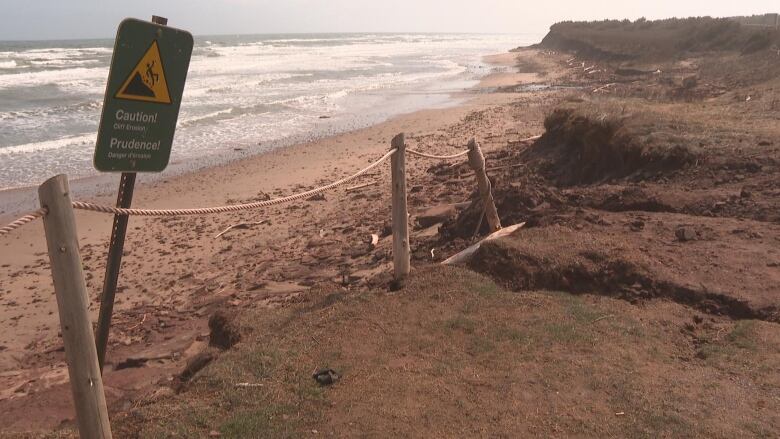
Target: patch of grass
[
  {"x": 309, "y": 390},
  {"x": 260, "y": 422},
  {"x": 733, "y": 346},
  {"x": 502, "y": 332},
  {"x": 666, "y": 423},
  {"x": 485, "y": 288},
  {"x": 261, "y": 363},
  {"x": 743, "y": 335},
  {"x": 579, "y": 310},
  {"x": 444, "y": 368},
  {"x": 481, "y": 345},
  {"x": 759, "y": 430},
  {"x": 711, "y": 351},
  {"x": 565, "y": 333},
  {"x": 635, "y": 331},
  {"x": 461, "y": 323}
]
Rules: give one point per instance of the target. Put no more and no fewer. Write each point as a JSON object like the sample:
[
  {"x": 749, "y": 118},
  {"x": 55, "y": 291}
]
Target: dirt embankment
[
  {"x": 661, "y": 39},
  {"x": 587, "y": 144},
  {"x": 645, "y": 196}
]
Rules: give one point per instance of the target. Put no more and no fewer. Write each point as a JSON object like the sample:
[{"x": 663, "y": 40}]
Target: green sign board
[{"x": 143, "y": 95}]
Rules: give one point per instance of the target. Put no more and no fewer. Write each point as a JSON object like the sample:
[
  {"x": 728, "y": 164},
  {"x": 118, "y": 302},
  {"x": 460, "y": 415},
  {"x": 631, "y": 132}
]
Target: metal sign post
[{"x": 143, "y": 95}]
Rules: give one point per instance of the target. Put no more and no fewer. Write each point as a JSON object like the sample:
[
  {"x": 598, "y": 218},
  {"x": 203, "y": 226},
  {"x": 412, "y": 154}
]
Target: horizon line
[{"x": 284, "y": 33}]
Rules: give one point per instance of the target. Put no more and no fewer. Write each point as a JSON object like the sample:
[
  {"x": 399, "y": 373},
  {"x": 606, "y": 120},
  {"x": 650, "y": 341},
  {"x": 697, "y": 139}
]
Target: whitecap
[{"x": 82, "y": 139}]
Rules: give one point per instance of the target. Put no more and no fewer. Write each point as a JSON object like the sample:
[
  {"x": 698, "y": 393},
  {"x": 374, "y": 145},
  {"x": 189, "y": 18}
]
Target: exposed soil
[
  {"x": 455, "y": 355},
  {"x": 590, "y": 145}
]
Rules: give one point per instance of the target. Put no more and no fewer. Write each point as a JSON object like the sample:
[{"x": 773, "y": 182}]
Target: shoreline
[
  {"x": 102, "y": 187},
  {"x": 290, "y": 108}
]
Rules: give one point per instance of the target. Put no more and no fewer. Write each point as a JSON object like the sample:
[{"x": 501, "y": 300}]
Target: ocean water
[{"x": 244, "y": 94}]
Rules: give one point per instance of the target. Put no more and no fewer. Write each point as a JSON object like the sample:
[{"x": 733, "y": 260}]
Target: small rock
[
  {"x": 326, "y": 376},
  {"x": 744, "y": 193},
  {"x": 636, "y": 225},
  {"x": 373, "y": 241},
  {"x": 764, "y": 143},
  {"x": 685, "y": 233},
  {"x": 317, "y": 197},
  {"x": 214, "y": 433}
]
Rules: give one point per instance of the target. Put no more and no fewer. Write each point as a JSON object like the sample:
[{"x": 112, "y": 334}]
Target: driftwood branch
[
  {"x": 240, "y": 226},
  {"x": 496, "y": 168},
  {"x": 466, "y": 254},
  {"x": 361, "y": 186}
]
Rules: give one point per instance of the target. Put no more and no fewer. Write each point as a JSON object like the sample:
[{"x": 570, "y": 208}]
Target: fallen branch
[
  {"x": 603, "y": 87},
  {"x": 496, "y": 168},
  {"x": 466, "y": 254},
  {"x": 249, "y": 384},
  {"x": 239, "y": 226},
  {"x": 361, "y": 186},
  {"x": 137, "y": 325},
  {"x": 528, "y": 139},
  {"x": 602, "y": 318}
]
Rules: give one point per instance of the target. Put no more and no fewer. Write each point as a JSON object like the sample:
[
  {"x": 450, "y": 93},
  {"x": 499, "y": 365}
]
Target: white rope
[
  {"x": 32, "y": 216},
  {"x": 438, "y": 157},
  {"x": 457, "y": 155},
  {"x": 230, "y": 208}
]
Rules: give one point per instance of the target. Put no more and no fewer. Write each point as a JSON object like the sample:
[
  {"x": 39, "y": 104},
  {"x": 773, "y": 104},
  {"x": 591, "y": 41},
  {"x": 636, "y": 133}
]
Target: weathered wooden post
[
  {"x": 401, "y": 257},
  {"x": 477, "y": 163},
  {"x": 72, "y": 301}
]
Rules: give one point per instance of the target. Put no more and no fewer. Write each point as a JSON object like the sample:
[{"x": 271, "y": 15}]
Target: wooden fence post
[
  {"x": 477, "y": 163},
  {"x": 401, "y": 257},
  {"x": 72, "y": 301}
]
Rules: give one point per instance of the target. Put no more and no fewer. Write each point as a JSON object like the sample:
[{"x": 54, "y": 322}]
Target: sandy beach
[{"x": 174, "y": 270}]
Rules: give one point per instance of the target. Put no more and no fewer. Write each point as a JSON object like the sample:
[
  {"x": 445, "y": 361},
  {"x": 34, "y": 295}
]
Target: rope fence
[
  {"x": 30, "y": 217},
  {"x": 230, "y": 208},
  {"x": 437, "y": 157},
  {"x": 92, "y": 207}
]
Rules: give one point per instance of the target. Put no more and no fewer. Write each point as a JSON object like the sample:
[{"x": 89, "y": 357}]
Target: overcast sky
[{"x": 60, "y": 19}]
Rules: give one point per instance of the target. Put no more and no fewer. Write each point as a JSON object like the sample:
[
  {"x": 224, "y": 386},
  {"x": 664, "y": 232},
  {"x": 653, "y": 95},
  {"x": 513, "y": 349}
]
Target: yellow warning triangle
[{"x": 146, "y": 82}]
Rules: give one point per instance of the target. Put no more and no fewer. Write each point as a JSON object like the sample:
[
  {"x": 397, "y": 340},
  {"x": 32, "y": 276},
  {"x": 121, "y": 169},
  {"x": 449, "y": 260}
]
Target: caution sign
[
  {"x": 147, "y": 80},
  {"x": 143, "y": 96}
]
